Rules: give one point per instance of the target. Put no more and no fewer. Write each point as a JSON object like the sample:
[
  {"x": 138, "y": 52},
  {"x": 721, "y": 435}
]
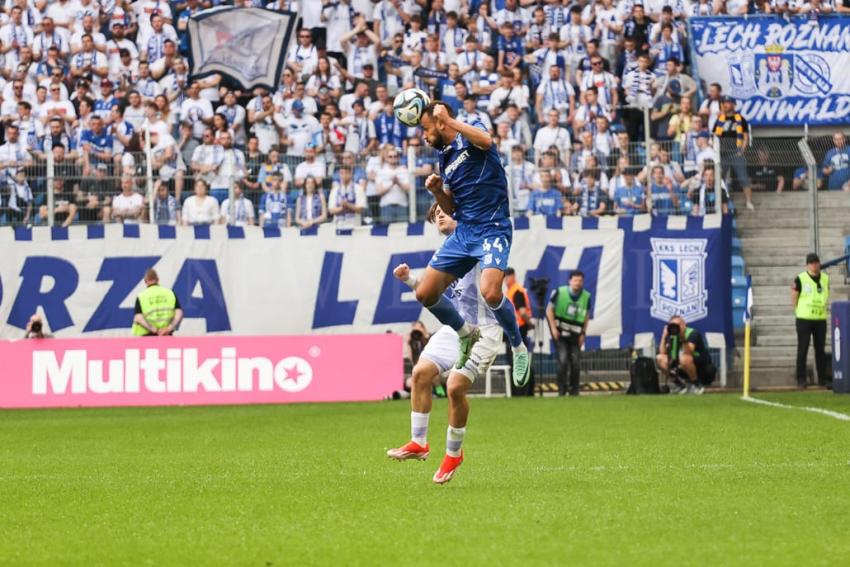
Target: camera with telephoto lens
[
  {"x": 539, "y": 287},
  {"x": 673, "y": 329},
  {"x": 36, "y": 327}
]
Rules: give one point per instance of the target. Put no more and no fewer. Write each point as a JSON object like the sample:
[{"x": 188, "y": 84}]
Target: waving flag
[
  {"x": 748, "y": 311},
  {"x": 249, "y": 45}
]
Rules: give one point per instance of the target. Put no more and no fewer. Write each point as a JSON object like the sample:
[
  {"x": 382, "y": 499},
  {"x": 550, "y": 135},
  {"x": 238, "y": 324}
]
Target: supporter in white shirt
[
  {"x": 304, "y": 57},
  {"x": 144, "y": 9},
  {"x": 387, "y": 21},
  {"x": 200, "y": 208},
  {"x": 555, "y": 93},
  {"x": 55, "y": 106},
  {"x": 242, "y": 209},
  {"x": 552, "y": 135},
  {"x": 51, "y": 35},
  {"x": 128, "y": 206},
  {"x": 230, "y": 167},
  {"x": 116, "y": 44},
  {"x": 310, "y": 167},
  {"x": 605, "y": 83},
  {"x": 16, "y": 34},
  {"x": 62, "y": 13},
  {"x": 196, "y": 111},
  {"x": 506, "y": 93},
  {"x": 347, "y": 201},
  {"x": 87, "y": 27},
  {"x": 338, "y": 18},
  {"x": 469, "y": 114},
  {"x": 298, "y": 129},
  {"x": 471, "y": 61},
  {"x": 13, "y": 153},
  {"x": 359, "y": 48},
  {"x": 206, "y": 157},
  {"x": 392, "y": 185}
]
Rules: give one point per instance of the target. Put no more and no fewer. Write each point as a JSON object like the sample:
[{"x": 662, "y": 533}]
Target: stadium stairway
[{"x": 775, "y": 239}]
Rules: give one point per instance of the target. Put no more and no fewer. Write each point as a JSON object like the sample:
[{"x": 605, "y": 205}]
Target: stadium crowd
[{"x": 563, "y": 87}]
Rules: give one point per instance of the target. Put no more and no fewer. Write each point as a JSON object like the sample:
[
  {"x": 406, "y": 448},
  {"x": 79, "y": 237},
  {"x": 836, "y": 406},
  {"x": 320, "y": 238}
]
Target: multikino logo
[{"x": 181, "y": 371}]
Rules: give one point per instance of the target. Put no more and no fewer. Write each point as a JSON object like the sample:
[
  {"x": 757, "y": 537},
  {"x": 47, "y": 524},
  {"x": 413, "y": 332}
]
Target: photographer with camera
[
  {"x": 568, "y": 314},
  {"x": 683, "y": 356},
  {"x": 35, "y": 329}
]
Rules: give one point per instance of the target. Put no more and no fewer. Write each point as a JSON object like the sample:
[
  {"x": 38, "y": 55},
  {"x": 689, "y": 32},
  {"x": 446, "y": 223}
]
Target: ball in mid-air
[{"x": 409, "y": 105}]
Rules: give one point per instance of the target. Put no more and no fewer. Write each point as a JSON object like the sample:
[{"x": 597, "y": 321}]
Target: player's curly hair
[{"x": 432, "y": 213}]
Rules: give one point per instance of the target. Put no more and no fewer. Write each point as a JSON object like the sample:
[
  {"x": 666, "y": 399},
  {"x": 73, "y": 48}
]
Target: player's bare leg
[
  {"x": 491, "y": 289},
  {"x": 429, "y": 292},
  {"x": 458, "y": 387},
  {"x": 425, "y": 373}
]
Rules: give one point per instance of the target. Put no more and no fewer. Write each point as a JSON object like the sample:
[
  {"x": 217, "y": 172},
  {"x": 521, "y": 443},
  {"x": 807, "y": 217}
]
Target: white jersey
[{"x": 466, "y": 297}]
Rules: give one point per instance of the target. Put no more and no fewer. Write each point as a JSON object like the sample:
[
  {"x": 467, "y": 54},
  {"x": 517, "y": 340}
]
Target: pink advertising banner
[{"x": 209, "y": 370}]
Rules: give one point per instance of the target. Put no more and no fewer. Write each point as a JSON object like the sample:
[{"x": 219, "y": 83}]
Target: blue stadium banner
[
  {"x": 783, "y": 72},
  {"x": 640, "y": 270},
  {"x": 249, "y": 45}
]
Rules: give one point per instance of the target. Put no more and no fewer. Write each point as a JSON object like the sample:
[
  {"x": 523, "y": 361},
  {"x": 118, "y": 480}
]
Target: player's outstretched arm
[{"x": 477, "y": 137}]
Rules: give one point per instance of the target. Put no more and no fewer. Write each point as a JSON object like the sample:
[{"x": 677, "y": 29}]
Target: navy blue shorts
[{"x": 488, "y": 245}]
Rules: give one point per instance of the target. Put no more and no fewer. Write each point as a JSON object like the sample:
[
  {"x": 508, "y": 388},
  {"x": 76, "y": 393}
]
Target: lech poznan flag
[{"x": 248, "y": 45}]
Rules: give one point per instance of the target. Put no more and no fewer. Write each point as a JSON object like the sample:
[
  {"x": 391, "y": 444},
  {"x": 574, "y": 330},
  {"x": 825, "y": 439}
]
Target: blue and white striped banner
[{"x": 254, "y": 280}]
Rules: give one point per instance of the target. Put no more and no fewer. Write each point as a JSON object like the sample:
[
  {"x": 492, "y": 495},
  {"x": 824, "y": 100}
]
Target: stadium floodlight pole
[
  {"x": 50, "y": 186},
  {"x": 149, "y": 173},
  {"x": 411, "y": 192}
]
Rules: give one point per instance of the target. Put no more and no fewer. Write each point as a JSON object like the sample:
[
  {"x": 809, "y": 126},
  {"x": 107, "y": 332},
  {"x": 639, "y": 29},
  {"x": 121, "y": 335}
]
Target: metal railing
[{"x": 580, "y": 180}]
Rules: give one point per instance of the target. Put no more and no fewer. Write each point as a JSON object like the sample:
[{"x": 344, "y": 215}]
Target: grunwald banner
[
  {"x": 256, "y": 281},
  {"x": 784, "y": 72}
]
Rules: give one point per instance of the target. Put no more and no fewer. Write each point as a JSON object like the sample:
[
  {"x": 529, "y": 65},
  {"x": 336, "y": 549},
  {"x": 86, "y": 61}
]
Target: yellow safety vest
[
  {"x": 812, "y": 301},
  {"x": 157, "y": 305}
]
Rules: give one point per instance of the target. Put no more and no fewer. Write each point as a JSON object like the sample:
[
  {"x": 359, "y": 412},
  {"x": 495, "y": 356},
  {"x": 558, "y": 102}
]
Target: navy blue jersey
[{"x": 477, "y": 180}]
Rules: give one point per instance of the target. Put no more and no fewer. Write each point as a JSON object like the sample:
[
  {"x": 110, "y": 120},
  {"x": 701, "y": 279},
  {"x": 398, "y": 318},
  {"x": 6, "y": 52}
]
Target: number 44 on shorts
[{"x": 488, "y": 246}]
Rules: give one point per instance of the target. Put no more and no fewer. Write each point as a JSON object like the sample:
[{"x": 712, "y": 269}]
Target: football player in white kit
[{"x": 439, "y": 357}]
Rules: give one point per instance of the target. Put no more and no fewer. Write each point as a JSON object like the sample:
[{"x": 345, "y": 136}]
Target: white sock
[
  {"x": 520, "y": 348},
  {"x": 454, "y": 439},
  {"x": 465, "y": 330},
  {"x": 419, "y": 427}
]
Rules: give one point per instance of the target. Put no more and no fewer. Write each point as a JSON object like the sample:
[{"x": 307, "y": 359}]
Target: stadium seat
[
  {"x": 488, "y": 380},
  {"x": 738, "y": 266},
  {"x": 736, "y": 246}
]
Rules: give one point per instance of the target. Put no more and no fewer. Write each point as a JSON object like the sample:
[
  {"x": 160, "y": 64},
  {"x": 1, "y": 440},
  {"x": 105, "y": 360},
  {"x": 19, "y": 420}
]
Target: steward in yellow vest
[
  {"x": 157, "y": 311},
  {"x": 810, "y": 298}
]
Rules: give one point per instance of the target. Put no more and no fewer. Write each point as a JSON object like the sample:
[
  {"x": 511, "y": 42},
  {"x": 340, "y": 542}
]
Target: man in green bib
[
  {"x": 568, "y": 314},
  {"x": 683, "y": 357},
  {"x": 157, "y": 311},
  {"x": 810, "y": 297}
]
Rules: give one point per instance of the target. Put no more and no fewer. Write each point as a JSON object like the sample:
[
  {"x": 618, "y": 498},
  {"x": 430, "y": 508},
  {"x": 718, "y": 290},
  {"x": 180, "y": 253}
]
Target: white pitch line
[{"x": 833, "y": 414}]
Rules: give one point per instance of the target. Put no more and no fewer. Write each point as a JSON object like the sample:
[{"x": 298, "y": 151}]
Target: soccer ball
[{"x": 409, "y": 105}]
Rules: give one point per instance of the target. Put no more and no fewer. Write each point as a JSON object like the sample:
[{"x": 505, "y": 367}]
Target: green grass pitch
[{"x": 605, "y": 480}]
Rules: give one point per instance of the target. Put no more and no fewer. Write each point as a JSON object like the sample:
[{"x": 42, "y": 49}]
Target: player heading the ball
[{"x": 473, "y": 188}]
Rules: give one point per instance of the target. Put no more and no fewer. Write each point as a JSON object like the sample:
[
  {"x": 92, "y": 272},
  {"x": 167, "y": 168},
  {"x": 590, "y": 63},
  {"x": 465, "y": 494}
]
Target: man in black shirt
[
  {"x": 637, "y": 28},
  {"x": 684, "y": 357}
]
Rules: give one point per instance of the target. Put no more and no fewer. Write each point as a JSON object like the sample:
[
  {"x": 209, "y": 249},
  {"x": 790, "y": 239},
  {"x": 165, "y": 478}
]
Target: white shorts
[{"x": 442, "y": 350}]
